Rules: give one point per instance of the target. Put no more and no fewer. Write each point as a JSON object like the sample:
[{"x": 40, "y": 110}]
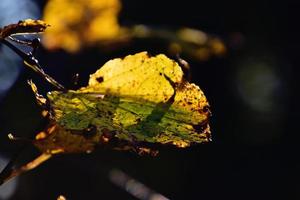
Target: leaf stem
[{"x": 33, "y": 63}]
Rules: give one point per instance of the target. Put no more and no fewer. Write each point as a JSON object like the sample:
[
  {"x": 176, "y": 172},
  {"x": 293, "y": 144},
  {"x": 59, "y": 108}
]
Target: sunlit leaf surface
[{"x": 131, "y": 101}]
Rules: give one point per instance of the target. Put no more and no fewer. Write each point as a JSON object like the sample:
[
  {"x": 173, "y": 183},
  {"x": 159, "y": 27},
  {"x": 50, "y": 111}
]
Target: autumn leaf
[
  {"x": 28, "y": 26},
  {"x": 128, "y": 104},
  {"x": 23, "y": 27},
  {"x": 132, "y": 101},
  {"x": 89, "y": 23},
  {"x": 81, "y": 22}
]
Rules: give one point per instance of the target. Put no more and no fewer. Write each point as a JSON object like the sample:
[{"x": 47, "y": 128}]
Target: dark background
[{"x": 253, "y": 94}]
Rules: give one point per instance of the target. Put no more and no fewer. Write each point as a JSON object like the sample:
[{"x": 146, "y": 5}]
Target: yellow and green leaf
[{"x": 136, "y": 100}]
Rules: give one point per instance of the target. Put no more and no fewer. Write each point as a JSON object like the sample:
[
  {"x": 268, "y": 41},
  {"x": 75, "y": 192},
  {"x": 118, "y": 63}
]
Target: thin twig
[
  {"x": 9, "y": 167},
  {"x": 29, "y": 166},
  {"x": 23, "y": 42},
  {"x": 32, "y": 62}
]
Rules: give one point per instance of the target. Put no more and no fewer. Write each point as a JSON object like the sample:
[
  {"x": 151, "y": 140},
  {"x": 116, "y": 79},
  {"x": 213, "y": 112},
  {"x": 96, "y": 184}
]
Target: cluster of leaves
[
  {"x": 128, "y": 104},
  {"x": 94, "y": 23}
]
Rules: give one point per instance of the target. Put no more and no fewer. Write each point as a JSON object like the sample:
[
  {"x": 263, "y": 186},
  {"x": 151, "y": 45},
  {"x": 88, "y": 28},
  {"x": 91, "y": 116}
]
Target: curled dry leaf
[
  {"x": 23, "y": 27},
  {"x": 128, "y": 104}
]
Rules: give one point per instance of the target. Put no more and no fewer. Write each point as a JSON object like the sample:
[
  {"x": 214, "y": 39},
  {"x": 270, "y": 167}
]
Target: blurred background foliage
[{"x": 242, "y": 54}]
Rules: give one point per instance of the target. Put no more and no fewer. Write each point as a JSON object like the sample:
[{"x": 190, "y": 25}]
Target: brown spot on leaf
[
  {"x": 100, "y": 79},
  {"x": 205, "y": 108},
  {"x": 109, "y": 113},
  {"x": 201, "y": 127}
]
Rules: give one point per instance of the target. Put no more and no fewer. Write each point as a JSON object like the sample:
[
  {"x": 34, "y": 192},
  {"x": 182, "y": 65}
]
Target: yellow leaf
[
  {"x": 138, "y": 99},
  {"x": 80, "y": 23},
  {"x": 137, "y": 75},
  {"x": 129, "y": 104}
]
